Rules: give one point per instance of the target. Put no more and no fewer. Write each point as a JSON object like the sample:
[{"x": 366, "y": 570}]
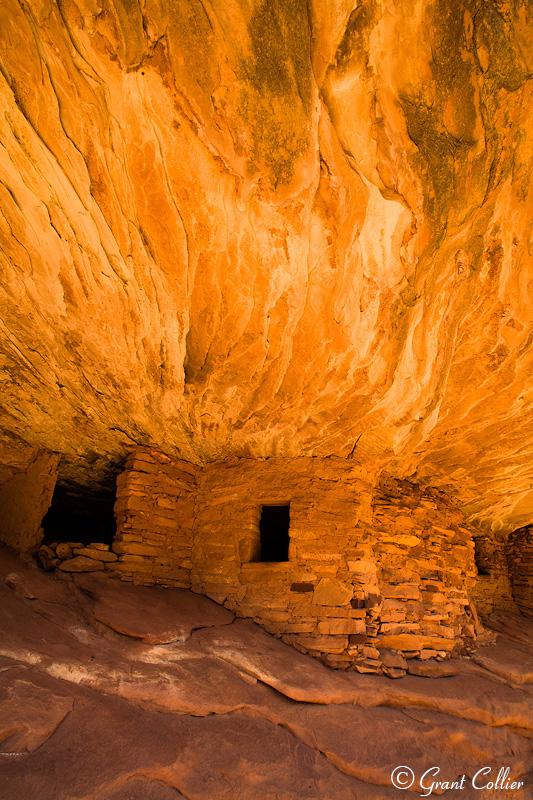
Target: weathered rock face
[
  {"x": 271, "y": 229},
  {"x": 133, "y": 693},
  {"x": 24, "y": 501}
]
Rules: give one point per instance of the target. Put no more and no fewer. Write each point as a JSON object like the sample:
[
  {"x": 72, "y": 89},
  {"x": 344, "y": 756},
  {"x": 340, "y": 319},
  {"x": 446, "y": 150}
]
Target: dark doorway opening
[
  {"x": 481, "y": 557},
  {"x": 79, "y": 514},
  {"x": 274, "y": 533}
]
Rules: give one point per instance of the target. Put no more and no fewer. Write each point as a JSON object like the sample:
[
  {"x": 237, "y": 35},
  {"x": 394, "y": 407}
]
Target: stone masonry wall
[
  {"x": 520, "y": 559},
  {"x": 154, "y": 512},
  {"x": 492, "y": 590},
  {"x": 373, "y": 573},
  {"x": 310, "y": 601},
  {"x": 424, "y": 558},
  {"x": 378, "y": 571}
]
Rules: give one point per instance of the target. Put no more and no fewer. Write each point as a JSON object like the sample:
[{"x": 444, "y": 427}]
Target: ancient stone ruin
[
  {"x": 343, "y": 562},
  {"x": 371, "y": 565},
  {"x": 266, "y": 351}
]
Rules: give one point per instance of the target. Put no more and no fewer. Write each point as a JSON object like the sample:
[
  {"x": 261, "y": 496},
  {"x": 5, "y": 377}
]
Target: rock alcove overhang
[{"x": 270, "y": 229}]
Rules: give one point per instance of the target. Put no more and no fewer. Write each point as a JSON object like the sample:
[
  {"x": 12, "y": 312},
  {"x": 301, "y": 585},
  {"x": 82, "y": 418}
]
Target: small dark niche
[{"x": 274, "y": 533}]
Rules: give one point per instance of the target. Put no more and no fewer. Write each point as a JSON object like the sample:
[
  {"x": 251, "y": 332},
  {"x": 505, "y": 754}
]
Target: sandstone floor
[{"x": 128, "y": 693}]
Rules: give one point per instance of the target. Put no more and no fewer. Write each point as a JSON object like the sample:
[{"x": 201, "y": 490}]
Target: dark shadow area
[
  {"x": 274, "y": 533},
  {"x": 481, "y": 557},
  {"x": 78, "y": 514}
]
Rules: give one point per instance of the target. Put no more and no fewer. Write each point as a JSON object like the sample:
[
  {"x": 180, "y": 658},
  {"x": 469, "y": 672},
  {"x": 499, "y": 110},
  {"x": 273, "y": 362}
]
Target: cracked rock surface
[
  {"x": 93, "y": 708},
  {"x": 270, "y": 228}
]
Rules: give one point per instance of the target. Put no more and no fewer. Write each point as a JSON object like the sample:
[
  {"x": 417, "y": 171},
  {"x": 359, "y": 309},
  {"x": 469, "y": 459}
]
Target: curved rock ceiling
[{"x": 271, "y": 228}]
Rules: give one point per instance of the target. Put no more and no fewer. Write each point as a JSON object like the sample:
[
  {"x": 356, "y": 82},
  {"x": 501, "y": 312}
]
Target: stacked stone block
[
  {"x": 375, "y": 575},
  {"x": 492, "y": 590},
  {"x": 154, "y": 511},
  {"x": 424, "y": 556},
  {"x": 76, "y": 556},
  {"x": 309, "y": 601},
  {"x": 520, "y": 559},
  {"x": 378, "y": 572}
]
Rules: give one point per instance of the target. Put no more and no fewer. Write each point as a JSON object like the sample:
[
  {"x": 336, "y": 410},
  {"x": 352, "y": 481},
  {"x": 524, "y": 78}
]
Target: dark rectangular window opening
[{"x": 274, "y": 533}]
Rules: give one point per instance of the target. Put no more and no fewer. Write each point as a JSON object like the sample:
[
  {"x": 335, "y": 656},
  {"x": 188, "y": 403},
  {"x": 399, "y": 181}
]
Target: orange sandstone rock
[{"x": 270, "y": 232}]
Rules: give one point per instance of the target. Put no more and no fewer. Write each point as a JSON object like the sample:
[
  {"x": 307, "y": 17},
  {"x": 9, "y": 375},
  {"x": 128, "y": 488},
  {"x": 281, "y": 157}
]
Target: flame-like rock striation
[{"x": 271, "y": 228}]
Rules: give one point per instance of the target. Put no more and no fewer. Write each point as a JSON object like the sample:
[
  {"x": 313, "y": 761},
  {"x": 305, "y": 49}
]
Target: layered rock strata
[{"x": 271, "y": 229}]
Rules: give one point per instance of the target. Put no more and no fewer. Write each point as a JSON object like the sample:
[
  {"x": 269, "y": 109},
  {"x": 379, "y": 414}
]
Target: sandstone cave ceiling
[{"x": 271, "y": 228}]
